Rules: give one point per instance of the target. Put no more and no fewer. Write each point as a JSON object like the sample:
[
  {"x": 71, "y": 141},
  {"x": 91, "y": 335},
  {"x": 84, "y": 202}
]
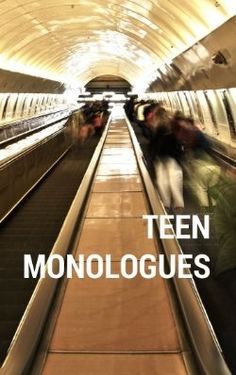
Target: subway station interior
[{"x": 112, "y": 112}]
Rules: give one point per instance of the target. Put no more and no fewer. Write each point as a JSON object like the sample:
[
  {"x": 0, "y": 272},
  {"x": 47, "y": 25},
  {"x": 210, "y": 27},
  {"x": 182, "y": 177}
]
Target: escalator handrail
[
  {"x": 11, "y": 159},
  {"x": 65, "y": 113}
]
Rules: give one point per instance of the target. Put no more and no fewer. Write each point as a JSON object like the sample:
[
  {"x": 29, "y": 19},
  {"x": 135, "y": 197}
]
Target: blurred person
[
  {"x": 189, "y": 134},
  {"x": 105, "y": 106},
  {"x": 94, "y": 119},
  {"x": 201, "y": 169},
  {"x": 140, "y": 112},
  {"x": 97, "y": 122},
  {"x": 86, "y": 131},
  {"x": 129, "y": 107},
  {"x": 77, "y": 121},
  {"x": 149, "y": 125},
  {"x": 135, "y": 111},
  {"x": 166, "y": 152}
]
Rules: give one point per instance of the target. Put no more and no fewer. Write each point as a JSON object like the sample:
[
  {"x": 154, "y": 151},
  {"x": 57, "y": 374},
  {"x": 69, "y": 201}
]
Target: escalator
[{"x": 33, "y": 229}]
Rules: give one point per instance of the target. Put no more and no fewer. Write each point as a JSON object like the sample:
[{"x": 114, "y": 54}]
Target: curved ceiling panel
[{"x": 73, "y": 41}]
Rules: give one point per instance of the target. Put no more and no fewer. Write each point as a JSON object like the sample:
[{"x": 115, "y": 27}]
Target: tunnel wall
[
  {"x": 20, "y": 83},
  {"x": 23, "y": 96},
  {"x": 208, "y": 64},
  {"x": 15, "y": 106}
]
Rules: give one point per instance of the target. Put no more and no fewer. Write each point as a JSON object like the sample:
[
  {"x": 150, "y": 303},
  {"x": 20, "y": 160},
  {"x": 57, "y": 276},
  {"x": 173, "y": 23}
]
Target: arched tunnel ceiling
[{"x": 77, "y": 40}]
